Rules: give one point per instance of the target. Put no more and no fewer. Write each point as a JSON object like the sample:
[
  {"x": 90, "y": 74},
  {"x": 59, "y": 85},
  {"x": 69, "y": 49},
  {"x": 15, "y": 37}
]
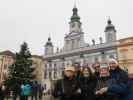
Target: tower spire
[
  {"x": 75, "y": 16},
  {"x": 109, "y": 26},
  {"x": 109, "y": 20},
  {"x": 75, "y": 4},
  {"x": 75, "y": 24}
]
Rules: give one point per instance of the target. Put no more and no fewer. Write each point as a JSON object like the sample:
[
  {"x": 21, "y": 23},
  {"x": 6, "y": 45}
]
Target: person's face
[
  {"x": 113, "y": 65},
  {"x": 69, "y": 73},
  {"x": 86, "y": 73},
  {"x": 104, "y": 72}
]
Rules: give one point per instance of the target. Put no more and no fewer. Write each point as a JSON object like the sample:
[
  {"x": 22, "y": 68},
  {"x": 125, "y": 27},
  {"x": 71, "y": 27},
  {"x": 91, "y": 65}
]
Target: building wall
[
  {"x": 38, "y": 64},
  {"x": 5, "y": 62},
  {"x": 125, "y": 54}
]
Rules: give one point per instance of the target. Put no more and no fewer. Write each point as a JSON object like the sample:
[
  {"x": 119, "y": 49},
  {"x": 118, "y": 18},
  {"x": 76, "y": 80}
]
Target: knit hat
[
  {"x": 103, "y": 65},
  {"x": 113, "y": 61}
]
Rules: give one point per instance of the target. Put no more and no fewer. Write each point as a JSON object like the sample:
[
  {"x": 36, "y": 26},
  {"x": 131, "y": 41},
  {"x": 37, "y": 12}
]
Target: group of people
[
  {"x": 32, "y": 90},
  {"x": 102, "y": 81}
]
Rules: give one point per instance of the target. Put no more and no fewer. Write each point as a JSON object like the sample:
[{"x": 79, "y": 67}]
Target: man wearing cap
[{"x": 67, "y": 88}]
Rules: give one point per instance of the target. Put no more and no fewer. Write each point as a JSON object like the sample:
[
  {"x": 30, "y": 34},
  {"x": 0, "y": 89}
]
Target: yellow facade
[
  {"x": 6, "y": 60},
  {"x": 38, "y": 64},
  {"x": 125, "y": 54}
]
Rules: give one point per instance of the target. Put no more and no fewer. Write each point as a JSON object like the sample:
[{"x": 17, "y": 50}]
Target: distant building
[
  {"x": 7, "y": 58},
  {"x": 75, "y": 50},
  {"x": 38, "y": 64},
  {"x": 125, "y": 54}
]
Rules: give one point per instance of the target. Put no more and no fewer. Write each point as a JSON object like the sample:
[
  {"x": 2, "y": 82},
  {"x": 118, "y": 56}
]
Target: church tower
[
  {"x": 75, "y": 38},
  {"x": 110, "y": 32},
  {"x": 49, "y": 49},
  {"x": 75, "y": 24}
]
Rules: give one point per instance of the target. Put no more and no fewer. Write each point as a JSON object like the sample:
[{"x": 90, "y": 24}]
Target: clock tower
[
  {"x": 75, "y": 38},
  {"x": 75, "y": 24},
  {"x": 110, "y": 32}
]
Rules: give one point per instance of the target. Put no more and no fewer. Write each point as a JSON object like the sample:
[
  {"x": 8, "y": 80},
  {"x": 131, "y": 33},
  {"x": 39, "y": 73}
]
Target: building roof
[
  {"x": 126, "y": 38},
  {"x": 8, "y": 53},
  {"x": 38, "y": 56}
]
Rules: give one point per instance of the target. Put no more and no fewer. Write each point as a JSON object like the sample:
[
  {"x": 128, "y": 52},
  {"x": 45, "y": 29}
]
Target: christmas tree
[{"x": 21, "y": 71}]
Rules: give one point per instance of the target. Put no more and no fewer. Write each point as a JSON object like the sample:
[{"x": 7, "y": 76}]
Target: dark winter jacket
[
  {"x": 121, "y": 87},
  {"x": 34, "y": 88},
  {"x": 96, "y": 74},
  {"x": 105, "y": 82},
  {"x": 87, "y": 86},
  {"x": 129, "y": 93},
  {"x": 66, "y": 89},
  {"x": 1, "y": 94},
  {"x": 78, "y": 76}
]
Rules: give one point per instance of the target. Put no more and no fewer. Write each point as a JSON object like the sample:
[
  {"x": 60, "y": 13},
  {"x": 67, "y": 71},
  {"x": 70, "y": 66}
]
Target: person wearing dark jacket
[
  {"x": 1, "y": 93},
  {"x": 130, "y": 86},
  {"x": 104, "y": 80},
  {"x": 121, "y": 87},
  {"x": 34, "y": 90},
  {"x": 87, "y": 84},
  {"x": 67, "y": 88}
]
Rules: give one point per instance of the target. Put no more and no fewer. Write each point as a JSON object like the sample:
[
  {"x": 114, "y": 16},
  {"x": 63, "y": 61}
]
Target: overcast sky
[{"x": 33, "y": 20}]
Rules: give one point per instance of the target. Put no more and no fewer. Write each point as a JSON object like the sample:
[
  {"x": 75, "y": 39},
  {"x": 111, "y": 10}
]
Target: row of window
[{"x": 49, "y": 69}]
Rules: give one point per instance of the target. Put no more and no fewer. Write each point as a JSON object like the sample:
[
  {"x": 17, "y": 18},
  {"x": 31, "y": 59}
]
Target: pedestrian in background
[
  {"x": 35, "y": 89},
  {"x": 22, "y": 92},
  {"x": 40, "y": 91},
  {"x": 27, "y": 90},
  {"x": 1, "y": 92}
]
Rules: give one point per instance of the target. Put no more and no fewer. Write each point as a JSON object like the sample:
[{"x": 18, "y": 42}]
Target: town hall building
[{"x": 75, "y": 50}]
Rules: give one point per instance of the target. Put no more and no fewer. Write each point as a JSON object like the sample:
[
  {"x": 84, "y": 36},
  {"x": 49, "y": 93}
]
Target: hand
[
  {"x": 79, "y": 91},
  {"x": 98, "y": 92},
  {"x": 103, "y": 90}
]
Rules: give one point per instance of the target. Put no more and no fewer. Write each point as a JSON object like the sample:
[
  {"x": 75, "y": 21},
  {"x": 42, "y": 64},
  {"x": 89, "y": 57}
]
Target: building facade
[
  {"x": 125, "y": 54},
  {"x": 7, "y": 58},
  {"x": 75, "y": 50},
  {"x": 38, "y": 63}
]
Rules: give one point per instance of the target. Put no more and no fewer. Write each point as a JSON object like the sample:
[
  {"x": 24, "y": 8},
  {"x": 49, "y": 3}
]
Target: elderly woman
[{"x": 67, "y": 88}]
